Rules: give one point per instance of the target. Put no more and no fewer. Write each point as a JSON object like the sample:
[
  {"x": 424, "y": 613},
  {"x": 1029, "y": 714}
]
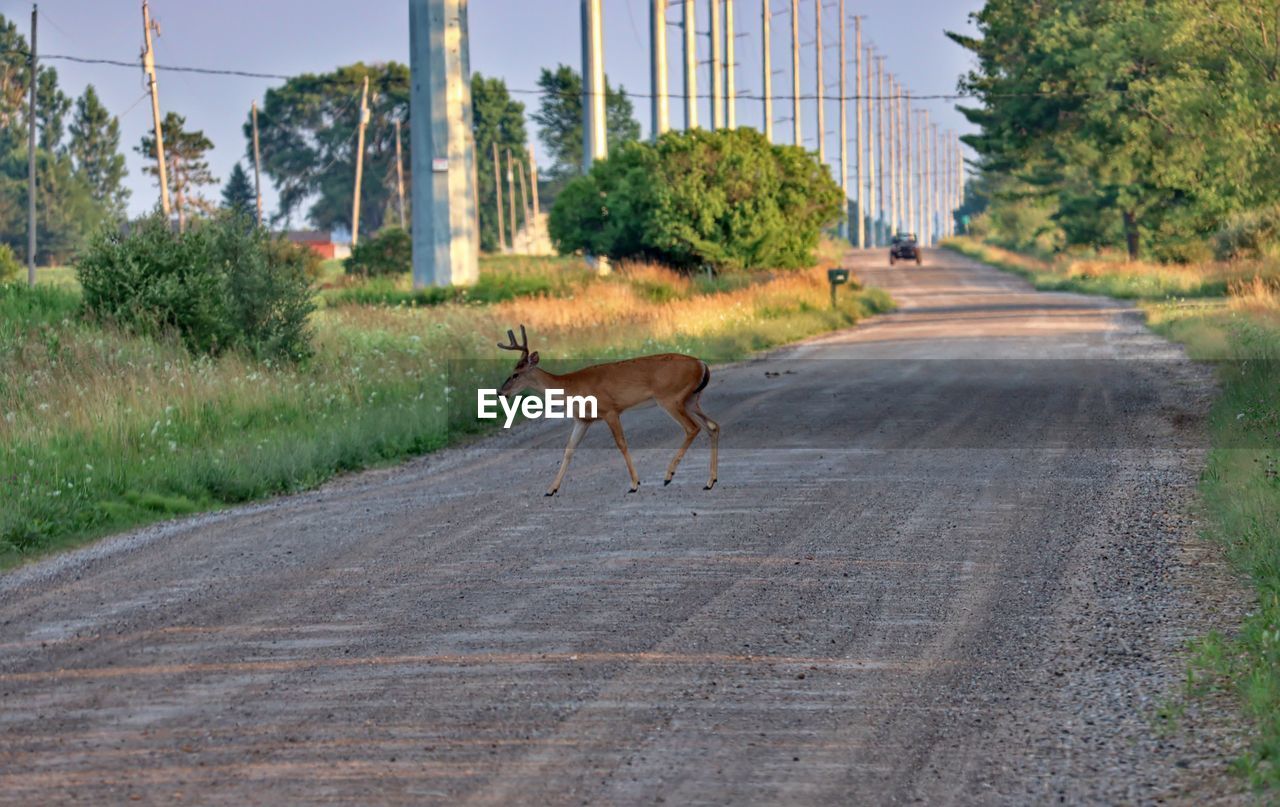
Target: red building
[{"x": 319, "y": 242}]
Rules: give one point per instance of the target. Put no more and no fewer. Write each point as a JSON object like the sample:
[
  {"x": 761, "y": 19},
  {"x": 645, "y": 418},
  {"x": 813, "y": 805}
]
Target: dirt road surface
[{"x": 949, "y": 560}]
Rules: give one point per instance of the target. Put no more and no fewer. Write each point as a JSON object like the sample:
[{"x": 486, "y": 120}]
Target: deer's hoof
[
  {"x": 710, "y": 485},
  {"x": 551, "y": 493},
  {"x": 666, "y": 482}
]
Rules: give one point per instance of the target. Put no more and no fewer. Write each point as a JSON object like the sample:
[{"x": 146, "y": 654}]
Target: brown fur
[{"x": 671, "y": 380}]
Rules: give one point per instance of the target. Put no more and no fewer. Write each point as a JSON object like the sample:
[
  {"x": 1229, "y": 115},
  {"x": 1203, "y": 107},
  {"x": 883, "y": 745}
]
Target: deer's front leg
[
  {"x": 615, "y": 426},
  {"x": 579, "y": 429}
]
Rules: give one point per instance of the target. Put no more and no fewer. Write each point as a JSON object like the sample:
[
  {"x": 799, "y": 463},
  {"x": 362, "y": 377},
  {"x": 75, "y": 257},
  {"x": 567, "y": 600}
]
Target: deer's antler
[{"x": 522, "y": 345}]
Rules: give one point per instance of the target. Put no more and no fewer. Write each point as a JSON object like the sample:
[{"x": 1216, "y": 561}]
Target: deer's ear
[{"x": 533, "y": 358}]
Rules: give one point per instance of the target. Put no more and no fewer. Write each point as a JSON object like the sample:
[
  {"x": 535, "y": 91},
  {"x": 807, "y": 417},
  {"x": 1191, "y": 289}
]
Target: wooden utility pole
[
  {"x": 511, "y": 200},
  {"x": 533, "y": 181},
  {"x": 717, "y": 67},
  {"x": 399, "y": 175},
  {"x": 859, "y": 159},
  {"x": 730, "y": 84},
  {"x": 910, "y": 196},
  {"x": 766, "y": 17},
  {"x": 796, "y": 137},
  {"x": 934, "y": 187},
  {"x": 257, "y": 162},
  {"x": 524, "y": 207},
  {"x": 819, "y": 82},
  {"x": 149, "y": 66},
  {"x": 31, "y": 159},
  {"x": 921, "y": 168},
  {"x": 844, "y": 126},
  {"x": 355, "y": 199},
  {"x": 497, "y": 187}
]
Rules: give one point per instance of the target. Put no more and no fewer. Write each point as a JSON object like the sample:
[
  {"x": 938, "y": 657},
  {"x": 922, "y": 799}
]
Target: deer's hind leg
[
  {"x": 679, "y": 413},
  {"x": 713, "y": 429}
]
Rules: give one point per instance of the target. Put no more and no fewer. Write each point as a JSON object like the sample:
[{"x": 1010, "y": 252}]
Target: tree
[
  {"x": 559, "y": 118},
  {"x": 95, "y": 149},
  {"x": 307, "y": 132},
  {"x": 238, "y": 195},
  {"x": 726, "y": 199},
  {"x": 188, "y": 169},
  {"x": 52, "y": 105},
  {"x": 496, "y": 120}
]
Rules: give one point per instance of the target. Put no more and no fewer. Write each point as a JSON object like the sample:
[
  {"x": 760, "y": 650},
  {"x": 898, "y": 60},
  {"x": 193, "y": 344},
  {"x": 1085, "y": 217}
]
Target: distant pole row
[{"x": 900, "y": 172}]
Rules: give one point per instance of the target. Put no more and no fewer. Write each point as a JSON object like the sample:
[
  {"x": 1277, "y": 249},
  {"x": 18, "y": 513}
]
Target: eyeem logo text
[{"x": 556, "y": 405}]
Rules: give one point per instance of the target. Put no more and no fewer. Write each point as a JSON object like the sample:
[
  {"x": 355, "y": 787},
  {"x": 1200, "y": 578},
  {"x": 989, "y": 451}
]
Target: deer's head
[{"x": 522, "y": 376}]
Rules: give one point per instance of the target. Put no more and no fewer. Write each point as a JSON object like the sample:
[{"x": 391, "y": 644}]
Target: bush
[
  {"x": 220, "y": 286},
  {"x": 9, "y": 266},
  {"x": 1249, "y": 234},
  {"x": 388, "y": 252},
  {"x": 726, "y": 199}
]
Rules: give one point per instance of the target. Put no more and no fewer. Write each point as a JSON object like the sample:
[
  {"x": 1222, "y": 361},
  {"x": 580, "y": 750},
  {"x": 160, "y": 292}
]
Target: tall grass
[
  {"x": 102, "y": 430},
  {"x": 1126, "y": 280}
]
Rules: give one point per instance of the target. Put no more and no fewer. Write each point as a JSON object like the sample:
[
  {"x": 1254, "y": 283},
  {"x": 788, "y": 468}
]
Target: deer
[{"x": 673, "y": 381}]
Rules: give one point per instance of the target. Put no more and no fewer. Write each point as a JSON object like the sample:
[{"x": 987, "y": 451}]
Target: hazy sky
[{"x": 509, "y": 38}]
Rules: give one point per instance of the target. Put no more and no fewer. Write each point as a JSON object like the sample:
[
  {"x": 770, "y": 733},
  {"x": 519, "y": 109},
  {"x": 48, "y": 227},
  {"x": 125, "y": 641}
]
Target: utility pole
[
  {"x": 881, "y": 108},
  {"x": 31, "y": 158},
  {"x": 595, "y": 142},
  {"x": 933, "y": 182},
  {"x": 844, "y": 128},
  {"x": 796, "y": 136},
  {"x": 872, "y": 207},
  {"x": 766, "y": 58},
  {"x": 511, "y": 201},
  {"x": 690, "y": 66},
  {"x": 730, "y": 84},
  {"x": 497, "y": 187},
  {"x": 355, "y": 199},
  {"x": 257, "y": 165},
  {"x": 822, "y": 112},
  {"x": 149, "y": 66},
  {"x": 921, "y": 168},
  {"x": 442, "y": 203},
  {"x": 895, "y": 158},
  {"x": 661, "y": 121},
  {"x": 928, "y": 177},
  {"x": 858, "y": 104},
  {"x": 717, "y": 68},
  {"x": 907, "y": 164},
  {"x": 399, "y": 176},
  {"x": 524, "y": 207},
  {"x": 533, "y": 181}
]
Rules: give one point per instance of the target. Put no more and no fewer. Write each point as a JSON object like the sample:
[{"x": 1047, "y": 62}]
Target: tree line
[
  {"x": 307, "y": 134},
  {"x": 1151, "y": 127}
]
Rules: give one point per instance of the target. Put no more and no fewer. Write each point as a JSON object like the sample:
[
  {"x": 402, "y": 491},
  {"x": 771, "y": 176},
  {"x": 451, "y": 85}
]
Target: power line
[{"x": 210, "y": 71}]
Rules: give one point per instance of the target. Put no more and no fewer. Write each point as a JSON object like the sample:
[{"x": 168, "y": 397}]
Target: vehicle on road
[{"x": 903, "y": 247}]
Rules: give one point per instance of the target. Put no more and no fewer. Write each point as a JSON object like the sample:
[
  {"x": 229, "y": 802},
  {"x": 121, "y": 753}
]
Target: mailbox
[{"x": 838, "y": 277}]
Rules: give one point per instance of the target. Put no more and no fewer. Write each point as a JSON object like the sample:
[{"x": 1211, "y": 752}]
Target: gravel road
[{"x": 950, "y": 559}]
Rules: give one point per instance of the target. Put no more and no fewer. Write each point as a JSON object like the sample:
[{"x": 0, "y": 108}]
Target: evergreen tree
[
  {"x": 238, "y": 194},
  {"x": 95, "y": 149},
  {"x": 52, "y": 105},
  {"x": 188, "y": 169},
  {"x": 559, "y": 118}
]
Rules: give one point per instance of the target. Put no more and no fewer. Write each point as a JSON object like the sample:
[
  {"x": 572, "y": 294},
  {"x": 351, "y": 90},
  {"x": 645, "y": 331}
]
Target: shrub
[
  {"x": 1248, "y": 234},
  {"x": 220, "y": 286},
  {"x": 726, "y": 199},
  {"x": 388, "y": 252},
  {"x": 9, "y": 266}
]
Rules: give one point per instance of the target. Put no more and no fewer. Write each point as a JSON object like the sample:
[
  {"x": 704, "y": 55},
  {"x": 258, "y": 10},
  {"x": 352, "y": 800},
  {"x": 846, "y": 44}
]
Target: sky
[{"x": 510, "y": 39}]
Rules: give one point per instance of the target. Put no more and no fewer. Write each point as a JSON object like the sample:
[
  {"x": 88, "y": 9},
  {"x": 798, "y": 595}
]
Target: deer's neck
[{"x": 542, "y": 381}]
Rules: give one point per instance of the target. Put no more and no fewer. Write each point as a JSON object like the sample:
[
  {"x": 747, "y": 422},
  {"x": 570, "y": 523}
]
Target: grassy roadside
[
  {"x": 102, "y": 431},
  {"x": 1228, "y": 314}
]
